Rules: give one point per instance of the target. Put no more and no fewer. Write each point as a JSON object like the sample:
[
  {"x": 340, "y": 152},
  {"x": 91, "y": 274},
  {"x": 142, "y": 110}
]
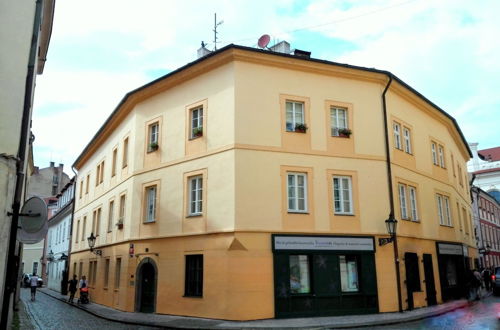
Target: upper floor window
[
  {"x": 441, "y": 156},
  {"x": 87, "y": 184},
  {"x": 396, "y": 127},
  {"x": 297, "y": 192},
  {"x": 99, "y": 174},
  {"x": 342, "y": 195},
  {"x": 195, "y": 195},
  {"x": 434, "y": 153},
  {"x": 338, "y": 120},
  {"x": 153, "y": 130},
  {"x": 113, "y": 163},
  {"x": 121, "y": 210},
  {"x": 125, "y": 153},
  {"x": 196, "y": 122},
  {"x": 111, "y": 212},
  {"x": 81, "y": 189},
  {"x": 452, "y": 165},
  {"x": 443, "y": 208},
  {"x": 150, "y": 207},
  {"x": 407, "y": 140},
  {"x": 408, "y": 202},
  {"x": 295, "y": 117}
]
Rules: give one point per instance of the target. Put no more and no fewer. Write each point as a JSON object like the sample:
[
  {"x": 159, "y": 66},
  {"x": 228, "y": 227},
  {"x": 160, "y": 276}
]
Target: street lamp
[
  {"x": 91, "y": 240},
  {"x": 391, "y": 225}
]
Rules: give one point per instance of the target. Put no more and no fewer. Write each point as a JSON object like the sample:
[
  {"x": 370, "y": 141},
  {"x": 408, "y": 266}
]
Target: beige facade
[{"x": 163, "y": 199}]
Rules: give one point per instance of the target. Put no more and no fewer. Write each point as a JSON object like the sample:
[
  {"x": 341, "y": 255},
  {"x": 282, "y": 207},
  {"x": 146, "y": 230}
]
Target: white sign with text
[{"x": 323, "y": 243}]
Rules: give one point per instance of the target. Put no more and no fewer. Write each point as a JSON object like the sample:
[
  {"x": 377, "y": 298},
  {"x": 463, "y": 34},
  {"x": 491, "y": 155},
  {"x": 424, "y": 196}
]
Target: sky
[{"x": 448, "y": 50}]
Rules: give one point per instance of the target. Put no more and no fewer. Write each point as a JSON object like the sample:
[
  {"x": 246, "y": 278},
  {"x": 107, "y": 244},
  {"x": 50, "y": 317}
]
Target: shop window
[
  {"x": 338, "y": 120},
  {"x": 294, "y": 116},
  {"x": 194, "y": 276},
  {"x": 342, "y": 195},
  {"x": 451, "y": 273},
  {"x": 300, "y": 279},
  {"x": 297, "y": 192},
  {"x": 349, "y": 273}
]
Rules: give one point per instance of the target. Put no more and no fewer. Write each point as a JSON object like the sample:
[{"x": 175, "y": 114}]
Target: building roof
[
  {"x": 180, "y": 71},
  {"x": 491, "y": 154},
  {"x": 488, "y": 170}
]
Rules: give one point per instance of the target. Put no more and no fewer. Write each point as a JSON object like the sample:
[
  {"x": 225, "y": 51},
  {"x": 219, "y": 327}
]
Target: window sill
[
  {"x": 447, "y": 226},
  {"x": 194, "y": 215},
  {"x": 298, "y": 212},
  {"x": 116, "y": 290},
  {"x": 151, "y": 151},
  {"x": 197, "y": 297},
  {"x": 341, "y": 136},
  {"x": 302, "y": 132},
  {"x": 195, "y": 137},
  {"x": 344, "y": 214},
  {"x": 148, "y": 222}
]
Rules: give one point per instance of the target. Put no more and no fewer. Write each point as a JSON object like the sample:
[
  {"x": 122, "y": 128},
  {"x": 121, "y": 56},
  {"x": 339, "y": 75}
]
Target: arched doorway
[{"x": 146, "y": 280}]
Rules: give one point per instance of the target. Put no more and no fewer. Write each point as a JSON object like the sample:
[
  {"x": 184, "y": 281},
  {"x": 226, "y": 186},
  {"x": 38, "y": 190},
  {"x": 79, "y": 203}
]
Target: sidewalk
[{"x": 336, "y": 322}]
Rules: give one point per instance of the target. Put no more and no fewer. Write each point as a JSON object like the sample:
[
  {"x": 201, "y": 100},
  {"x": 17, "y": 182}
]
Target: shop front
[
  {"x": 324, "y": 275},
  {"x": 453, "y": 268}
]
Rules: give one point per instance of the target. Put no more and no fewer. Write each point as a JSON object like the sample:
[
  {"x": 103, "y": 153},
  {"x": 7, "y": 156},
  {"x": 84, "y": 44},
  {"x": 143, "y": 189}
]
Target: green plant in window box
[
  {"x": 301, "y": 128},
  {"x": 153, "y": 146},
  {"x": 197, "y": 131},
  {"x": 345, "y": 132}
]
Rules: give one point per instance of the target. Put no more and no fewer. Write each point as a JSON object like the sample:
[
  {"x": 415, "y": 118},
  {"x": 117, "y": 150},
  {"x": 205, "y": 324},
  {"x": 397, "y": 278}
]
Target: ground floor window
[
  {"x": 194, "y": 276},
  {"x": 300, "y": 281},
  {"x": 349, "y": 273}
]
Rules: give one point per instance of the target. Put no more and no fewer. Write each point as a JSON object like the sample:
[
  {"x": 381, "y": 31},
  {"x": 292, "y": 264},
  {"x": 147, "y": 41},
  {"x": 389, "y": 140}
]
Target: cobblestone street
[{"x": 49, "y": 313}]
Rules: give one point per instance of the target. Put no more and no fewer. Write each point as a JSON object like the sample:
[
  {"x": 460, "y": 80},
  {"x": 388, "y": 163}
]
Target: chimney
[
  {"x": 475, "y": 156},
  {"x": 61, "y": 166},
  {"x": 51, "y": 164},
  {"x": 302, "y": 53},
  {"x": 202, "y": 51},
  {"x": 281, "y": 47}
]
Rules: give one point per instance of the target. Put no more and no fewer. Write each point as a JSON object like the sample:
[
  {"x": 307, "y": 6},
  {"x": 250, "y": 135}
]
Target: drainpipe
[
  {"x": 13, "y": 261},
  {"x": 391, "y": 193},
  {"x": 68, "y": 261}
]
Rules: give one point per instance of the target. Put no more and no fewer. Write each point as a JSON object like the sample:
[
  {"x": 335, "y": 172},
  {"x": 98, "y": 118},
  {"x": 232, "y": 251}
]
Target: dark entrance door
[
  {"x": 412, "y": 276},
  {"x": 147, "y": 288},
  {"x": 430, "y": 288}
]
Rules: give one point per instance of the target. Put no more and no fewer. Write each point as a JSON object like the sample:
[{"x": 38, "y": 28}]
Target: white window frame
[
  {"x": 444, "y": 212},
  {"x": 150, "y": 196},
  {"x": 336, "y": 121},
  {"x": 295, "y": 189},
  {"x": 111, "y": 212},
  {"x": 447, "y": 210},
  {"x": 441, "y": 155},
  {"x": 396, "y": 127},
  {"x": 403, "y": 204},
  {"x": 339, "y": 193},
  {"x": 413, "y": 203},
  {"x": 153, "y": 134},
  {"x": 293, "y": 111},
  {"x": 434, "y": 153},
  {"x": 195, "y": 189},
  {"x": 439, "y": 199},
  {"x": 407, "y": 140},
  {"x": 196, "y": 120}
]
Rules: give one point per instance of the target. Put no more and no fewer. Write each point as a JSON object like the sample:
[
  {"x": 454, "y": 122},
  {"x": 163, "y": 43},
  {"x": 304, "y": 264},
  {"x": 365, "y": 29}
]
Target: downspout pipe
[
  {"x": 13, "y": 260},
  {"x": 391, "y": 192},
  {"x": 68, "y": 262}
]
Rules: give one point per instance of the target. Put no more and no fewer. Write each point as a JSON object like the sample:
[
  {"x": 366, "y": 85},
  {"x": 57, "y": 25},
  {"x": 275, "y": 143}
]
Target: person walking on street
[
  {"x": 487, "y": 278},
  {"x": 477, "y": 284},
  {"x": 33, "y": 285},
  {"x": 72, "y": 288}
]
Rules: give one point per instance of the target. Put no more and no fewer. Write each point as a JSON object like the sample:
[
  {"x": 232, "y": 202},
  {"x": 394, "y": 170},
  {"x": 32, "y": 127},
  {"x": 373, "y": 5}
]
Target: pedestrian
[
  {"x": 83, "y": 282},
  {"x": 33, "y": 285},
  {"x": 477, "y": 283},
  {"x": 487, "y": 279},
  {"x": 72, "y": 288}
]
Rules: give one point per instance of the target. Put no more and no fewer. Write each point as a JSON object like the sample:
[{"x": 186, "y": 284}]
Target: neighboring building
[
  {"x": 485, "y": 167},
  {"x": 58, "y": 241},
  {"x": 24, "y": 40},
  {"x": 486, "y": 211},
  {"x": 47, "y": 182},
  {"x": 232, "y": 188}
]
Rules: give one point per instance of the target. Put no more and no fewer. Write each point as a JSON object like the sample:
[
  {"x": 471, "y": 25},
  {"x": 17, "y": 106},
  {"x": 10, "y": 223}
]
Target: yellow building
[{"x": 251, "y": 184}]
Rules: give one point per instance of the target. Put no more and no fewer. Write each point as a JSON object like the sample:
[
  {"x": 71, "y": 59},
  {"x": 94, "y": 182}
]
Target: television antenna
[{"x": 216, "y": 24}]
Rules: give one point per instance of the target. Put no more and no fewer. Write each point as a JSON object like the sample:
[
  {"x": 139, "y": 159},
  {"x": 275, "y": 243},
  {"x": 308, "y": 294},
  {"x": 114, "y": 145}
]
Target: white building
[
  {"x": 58, "y": 239},
  {"x": 485, "y": 168}
]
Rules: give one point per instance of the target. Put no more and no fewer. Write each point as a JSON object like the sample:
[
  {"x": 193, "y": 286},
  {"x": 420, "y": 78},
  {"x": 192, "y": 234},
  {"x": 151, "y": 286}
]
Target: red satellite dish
[{"x": 264, "y": 41}]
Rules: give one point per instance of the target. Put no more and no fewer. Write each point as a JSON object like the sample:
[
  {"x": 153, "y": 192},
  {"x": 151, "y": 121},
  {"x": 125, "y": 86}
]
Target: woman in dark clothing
[{"x": 72, "y": 288}]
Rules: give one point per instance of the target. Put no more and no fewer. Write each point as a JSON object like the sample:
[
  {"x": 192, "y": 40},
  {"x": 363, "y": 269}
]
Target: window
[
  {"x": 434, "y": 154},
  {"x": 300, "y": 279},
  {"x": 111, "y": 212},
  {"x": 402, "y": 201},
  {"x": 338, "y": 120},
  {"x": 349, "y": 273},
  {"x": 87, "y": 185},
  {"x": 35, "y": 267},
  {"x": 101, "y": 176},
  {"x": 97, "y": 174},
  {"x": 153, "y": 137},
  {"x": 150, "y": 202},
  {"x": 121, "y": 214},
  {"x": 81, "y": 189},
  {"x": 106, "y": 273},
  {"x": 91, "y": 272},
  {"x": 96, "y": 222},
  {"x": 77, "y": 233},
  {"x": 297, "y": 192},
  {"x": 441, "y": 156},
  {"x": 196, "y": 122},
  {"x": 294, "y": 115},
  {"x": 408, "y": 202},
  {"x": 84, "y": 227},
  {"x": 397, "y": 135},
  {"x": 443, "y": 208},
  {"x": 407, "y": 140},
  {"x": 195, "y": 195},
  {"x": 193, "y": 283},
  {"x": 342, "y": 195},
  {"x": 453, "y": 166},
  {"x": 113, "y": 163},
  {"x": 125, "y": 153},
  {"x": 413, "y": 203},
  {"x": 80, "y": 270},
  {"x": 117, "y": 272}
]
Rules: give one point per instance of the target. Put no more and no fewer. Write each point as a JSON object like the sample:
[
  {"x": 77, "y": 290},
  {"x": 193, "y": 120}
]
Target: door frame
[{"x": 138, "y": 283}]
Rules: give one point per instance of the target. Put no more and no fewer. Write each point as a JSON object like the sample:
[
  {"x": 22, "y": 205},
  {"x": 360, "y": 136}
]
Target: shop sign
[
  {"x": 450, "y": 249},
  {"x": 322, "y": 243}
]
